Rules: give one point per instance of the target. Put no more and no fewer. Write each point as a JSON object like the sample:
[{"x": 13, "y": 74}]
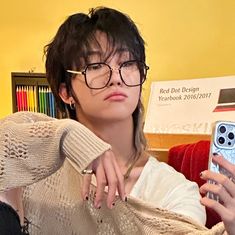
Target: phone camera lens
[
  {"x": 230, "y": 135},
  {"x": 222, "y": 129},
  {"x": 221, "y": 140}
]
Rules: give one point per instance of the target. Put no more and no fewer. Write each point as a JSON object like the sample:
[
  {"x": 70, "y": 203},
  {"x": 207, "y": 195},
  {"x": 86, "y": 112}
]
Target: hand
[
  {"x": 107, "y": 173},
  {"x": 225, "y": 189}
]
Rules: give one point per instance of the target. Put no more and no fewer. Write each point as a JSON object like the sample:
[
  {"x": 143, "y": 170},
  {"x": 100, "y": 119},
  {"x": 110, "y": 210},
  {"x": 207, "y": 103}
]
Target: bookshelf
[{"x": 31, "y": 92}]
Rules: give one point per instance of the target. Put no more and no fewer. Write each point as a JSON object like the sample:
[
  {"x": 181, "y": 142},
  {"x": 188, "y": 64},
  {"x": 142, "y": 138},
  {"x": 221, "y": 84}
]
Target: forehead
[
  {"x": 100, "y": 41},
  {"x": 103, "y": 46}
]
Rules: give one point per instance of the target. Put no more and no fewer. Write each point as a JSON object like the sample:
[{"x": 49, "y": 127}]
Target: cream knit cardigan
[{"x": 47, "y": 156}]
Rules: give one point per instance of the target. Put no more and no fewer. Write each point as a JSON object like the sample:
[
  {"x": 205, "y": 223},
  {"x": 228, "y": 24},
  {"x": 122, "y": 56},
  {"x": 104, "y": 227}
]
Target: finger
[
  {"x": 226, "y": 214},
  {"x": 112, "y": 181},
  {"x": 86, "y": 186},
  {"x": 220, "y": 179},
  {"x": 216, "y": 206},
  {"x": 120, "y": 185},
  {"x": 101, "y": 183},
  {"x": 225, "y": 164},
  {"x": 219, "y": 190}
]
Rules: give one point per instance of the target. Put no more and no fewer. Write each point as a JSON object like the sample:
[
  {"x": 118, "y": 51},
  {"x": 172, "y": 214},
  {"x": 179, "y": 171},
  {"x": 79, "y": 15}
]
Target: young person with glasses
[{"x": 92, "y": 174}]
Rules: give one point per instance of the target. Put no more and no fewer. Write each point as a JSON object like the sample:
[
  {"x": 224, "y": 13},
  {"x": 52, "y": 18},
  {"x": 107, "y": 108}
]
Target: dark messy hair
[{"x": 70, "y": 47}]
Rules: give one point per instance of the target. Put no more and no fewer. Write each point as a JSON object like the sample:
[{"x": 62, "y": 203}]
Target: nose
[{"x": 115, "y": 78}]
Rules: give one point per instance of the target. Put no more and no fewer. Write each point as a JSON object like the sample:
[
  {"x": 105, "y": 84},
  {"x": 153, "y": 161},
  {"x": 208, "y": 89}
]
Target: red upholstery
[{"x": 191, "y": 159}]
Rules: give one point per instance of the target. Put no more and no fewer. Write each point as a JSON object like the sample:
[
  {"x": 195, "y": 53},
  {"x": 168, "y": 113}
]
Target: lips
[{"x": 116, "y": 96}]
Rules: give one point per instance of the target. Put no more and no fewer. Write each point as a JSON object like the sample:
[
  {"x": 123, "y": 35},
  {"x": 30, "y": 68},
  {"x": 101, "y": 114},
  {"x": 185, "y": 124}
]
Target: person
[{"x": 90, "y": 173}]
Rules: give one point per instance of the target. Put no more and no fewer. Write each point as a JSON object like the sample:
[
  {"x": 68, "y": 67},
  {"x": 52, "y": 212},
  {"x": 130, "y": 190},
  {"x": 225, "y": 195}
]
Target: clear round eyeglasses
[{"x": 98, "y": 75}]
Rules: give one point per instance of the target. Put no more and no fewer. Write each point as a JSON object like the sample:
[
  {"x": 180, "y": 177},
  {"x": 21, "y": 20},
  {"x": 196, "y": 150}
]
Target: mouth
[{"x": 116, "y": 96}]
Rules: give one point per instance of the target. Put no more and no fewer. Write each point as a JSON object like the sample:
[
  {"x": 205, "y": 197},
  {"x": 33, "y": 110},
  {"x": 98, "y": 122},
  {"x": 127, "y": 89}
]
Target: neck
[{"x": 119, "y": 134}]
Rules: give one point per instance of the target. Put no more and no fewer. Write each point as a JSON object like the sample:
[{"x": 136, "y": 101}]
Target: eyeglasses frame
[{"x": 111, "y": 70}]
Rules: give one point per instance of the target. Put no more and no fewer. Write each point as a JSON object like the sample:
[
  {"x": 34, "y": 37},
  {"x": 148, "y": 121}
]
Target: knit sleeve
[{"x": 33, "y": 146}]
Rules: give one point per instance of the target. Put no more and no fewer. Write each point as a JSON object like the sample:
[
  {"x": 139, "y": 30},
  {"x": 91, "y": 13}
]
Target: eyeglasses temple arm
[{"x": 74, "y": 72}]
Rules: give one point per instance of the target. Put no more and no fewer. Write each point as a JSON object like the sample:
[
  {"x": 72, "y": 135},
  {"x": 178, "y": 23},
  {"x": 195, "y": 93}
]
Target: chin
[{"x": 115, "y": 116}]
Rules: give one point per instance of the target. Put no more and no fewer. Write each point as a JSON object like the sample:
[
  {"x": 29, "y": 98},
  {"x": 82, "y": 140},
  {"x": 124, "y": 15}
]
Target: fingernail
[
  {"x": 201, "y": 174},
  {"x": 215, "y": 154},
  {"x": 112, "y": 205},
  {"x": 97, "y": 205},
  {"x": 87, "y": 198},
  {"x": 125, "y": 199}
]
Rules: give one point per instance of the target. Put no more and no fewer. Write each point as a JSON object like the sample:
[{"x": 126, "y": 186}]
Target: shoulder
[
  {"x": 159, "y": 176},
  {"x": 162, "y": 186}
]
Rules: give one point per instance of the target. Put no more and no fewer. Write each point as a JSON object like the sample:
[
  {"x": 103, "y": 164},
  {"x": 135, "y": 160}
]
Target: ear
[{"x": 64, "y": 95}]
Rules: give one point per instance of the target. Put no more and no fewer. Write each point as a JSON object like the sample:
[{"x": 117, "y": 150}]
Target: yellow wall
[{"x": 185, "y": 38}]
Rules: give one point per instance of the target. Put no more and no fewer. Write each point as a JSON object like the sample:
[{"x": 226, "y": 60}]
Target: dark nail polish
[
  {"x": 99, "y": 207},
  {"x": 113, "y": 204},
  {"x": 87, "y": 198},
  {"x": 215, "y": 154},
  {"x": 125, "y": 199}
]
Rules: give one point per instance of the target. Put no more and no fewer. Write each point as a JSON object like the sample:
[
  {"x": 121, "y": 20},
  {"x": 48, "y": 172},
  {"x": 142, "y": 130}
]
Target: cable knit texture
[{"x": 40, "y": 153}]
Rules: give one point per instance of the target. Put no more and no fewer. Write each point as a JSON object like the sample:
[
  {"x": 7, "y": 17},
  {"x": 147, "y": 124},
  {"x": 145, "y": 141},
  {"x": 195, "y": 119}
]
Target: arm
[{"x": 33, "y": 146}]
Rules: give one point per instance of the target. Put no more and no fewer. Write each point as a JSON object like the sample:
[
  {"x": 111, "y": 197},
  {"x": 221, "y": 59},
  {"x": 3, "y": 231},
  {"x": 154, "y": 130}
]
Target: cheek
[
  {"x": 135, "y": 95},
  {"x": 87, "y": 98},
  {"x": 80, "y": 90},
  {"x": 84, "y": 98}
]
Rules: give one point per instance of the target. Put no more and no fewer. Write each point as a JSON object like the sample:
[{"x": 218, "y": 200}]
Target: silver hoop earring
[{"x": 72, "y": 105}]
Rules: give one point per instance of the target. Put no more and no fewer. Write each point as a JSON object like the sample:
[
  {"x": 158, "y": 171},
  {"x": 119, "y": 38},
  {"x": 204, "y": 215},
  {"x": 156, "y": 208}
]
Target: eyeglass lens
[{"x": 98, "y": 74}]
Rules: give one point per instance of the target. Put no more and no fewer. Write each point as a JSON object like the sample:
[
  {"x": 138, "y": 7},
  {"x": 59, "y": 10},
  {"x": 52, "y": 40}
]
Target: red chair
[{"x": 191, "y": 159}]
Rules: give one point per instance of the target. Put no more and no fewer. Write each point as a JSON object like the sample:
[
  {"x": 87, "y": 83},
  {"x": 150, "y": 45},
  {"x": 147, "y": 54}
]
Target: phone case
[{"x": 222, "y": 143}]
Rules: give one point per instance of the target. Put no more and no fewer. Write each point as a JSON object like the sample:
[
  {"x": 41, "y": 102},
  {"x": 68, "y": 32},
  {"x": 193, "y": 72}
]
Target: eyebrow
[
  {"x": 98, "y": 52},
  {"x": 90, "y": 53}
]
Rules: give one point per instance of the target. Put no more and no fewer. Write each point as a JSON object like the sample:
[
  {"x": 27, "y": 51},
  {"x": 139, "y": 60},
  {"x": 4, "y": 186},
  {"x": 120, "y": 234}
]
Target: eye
[
  {"x": 92, "y": 67},
  {"x": 129, "y": 63}
]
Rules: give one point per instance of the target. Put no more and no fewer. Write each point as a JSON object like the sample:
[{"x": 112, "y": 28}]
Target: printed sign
[{"x": 190, "y": 106}]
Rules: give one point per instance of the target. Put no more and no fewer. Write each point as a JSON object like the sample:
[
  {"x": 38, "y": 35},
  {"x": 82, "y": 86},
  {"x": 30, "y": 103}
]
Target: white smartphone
[{"x": 222, "y": 143}]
